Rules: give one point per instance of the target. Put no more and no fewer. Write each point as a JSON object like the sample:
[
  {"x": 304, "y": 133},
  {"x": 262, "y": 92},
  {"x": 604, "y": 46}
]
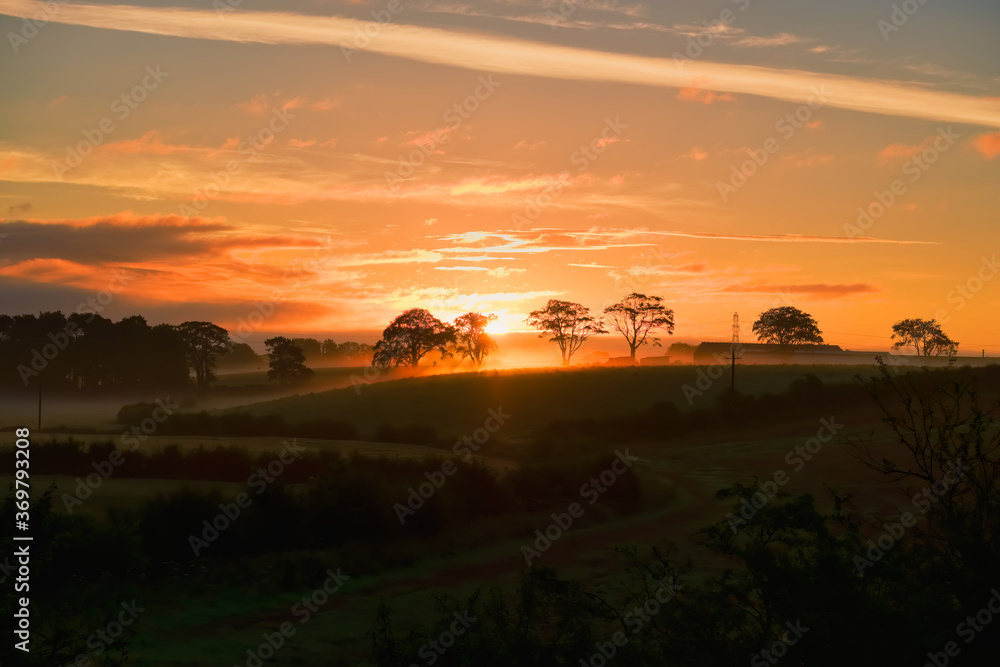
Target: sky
[{"x": 323, "y": 165}]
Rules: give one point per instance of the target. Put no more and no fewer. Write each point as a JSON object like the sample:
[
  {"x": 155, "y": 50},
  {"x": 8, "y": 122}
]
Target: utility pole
[
  {"x": 39, "y": 401},
  {"x": 732, "y": 351}
]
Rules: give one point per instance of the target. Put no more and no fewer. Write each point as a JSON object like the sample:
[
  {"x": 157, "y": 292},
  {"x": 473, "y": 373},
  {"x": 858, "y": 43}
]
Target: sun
[{"x": 496, "y": 327}]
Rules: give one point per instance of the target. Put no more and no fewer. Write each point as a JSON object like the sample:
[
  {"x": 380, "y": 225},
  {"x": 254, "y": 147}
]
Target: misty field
[{"x": 350, "y": 503}]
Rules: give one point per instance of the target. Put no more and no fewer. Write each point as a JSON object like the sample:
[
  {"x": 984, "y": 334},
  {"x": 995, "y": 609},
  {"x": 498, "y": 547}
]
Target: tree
[
  {"x": 286, "y": 361},
  {"x": 311, "y": 347},
  {"x": 569, "y": 324},
  {"x": 636, "y": 316},
  {"x": 203, "y": 342},
  {"x": 409, "y": 337},
  {"x": 925, "y": 336},
  {"x": 472, "y": 341},
  {"x": 787, "y": 326}
]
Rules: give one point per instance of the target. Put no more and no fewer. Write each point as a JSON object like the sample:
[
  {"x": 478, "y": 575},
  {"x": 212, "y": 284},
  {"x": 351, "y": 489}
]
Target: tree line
[
  {"x": 638, "y": 318},
  {"x": 84, "y": 351},
  {"x": 87, "y": 351}
]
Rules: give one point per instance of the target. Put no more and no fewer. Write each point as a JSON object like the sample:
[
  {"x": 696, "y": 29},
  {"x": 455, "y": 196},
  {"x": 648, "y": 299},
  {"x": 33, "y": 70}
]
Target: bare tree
[
  {"x": 569, "y": 324},
  {"x": 638, "y": 315}
]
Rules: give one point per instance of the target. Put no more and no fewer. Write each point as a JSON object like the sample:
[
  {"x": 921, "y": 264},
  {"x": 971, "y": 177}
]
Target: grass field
[
  {"x": 457, "y": 404},
  {"x": 679, "y": 472}
]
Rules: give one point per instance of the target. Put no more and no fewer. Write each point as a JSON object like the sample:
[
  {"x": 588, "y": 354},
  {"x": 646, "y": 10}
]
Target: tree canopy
[
  {"x": 410, "y": 336},
  {"x": 203, "y": 342},
  {"x": 286, "y": 361},
  {"x": 786, "y": 326},
  {"x": 471, "y": 339},
  {"x": 924, "y": 336},
  {"x": 637, "y": 316},
  {"x": 569, "y": 325}
]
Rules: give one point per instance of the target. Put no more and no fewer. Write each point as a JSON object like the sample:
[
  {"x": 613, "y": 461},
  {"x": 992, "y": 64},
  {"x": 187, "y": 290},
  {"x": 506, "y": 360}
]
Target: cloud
[
  {"x": 781, "y": 39},
  {"x": 431, "y": 138},
  {"x": 904, "y": 151},
  {"x": 482, "y": 52},
  {"x": 809, "y": 159},
  {"x": 697, "y": 153},
  {"x": 987, "y": 144},
  {"x": 819, "y": 290},
  {"x": 503, "y": 272},
  {"x": 649, "y": 236},
  {"x": 151, "y": 143},
  {"x": 590, "y": 265},
  {"x": 129, "y": 238},
  {"x": 529, "y": 146},
  {"x": 325, "y": 104},
  {"x": 703, "y": 96}
]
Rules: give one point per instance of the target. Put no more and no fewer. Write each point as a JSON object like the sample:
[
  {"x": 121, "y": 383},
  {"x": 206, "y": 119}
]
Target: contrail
[{"x": 484, "y": 52}]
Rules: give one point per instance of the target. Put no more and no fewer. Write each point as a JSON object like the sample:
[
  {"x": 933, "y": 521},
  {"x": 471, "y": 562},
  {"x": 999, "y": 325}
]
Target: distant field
[{"x": 457, "y": 404}]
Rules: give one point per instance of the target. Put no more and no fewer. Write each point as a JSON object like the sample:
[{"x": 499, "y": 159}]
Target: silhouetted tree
[
  {"x": 787, "y": 326},
  {"x": 240, "y": 354},
  {"x": 286, "y": 361},
  {"x": 410, "y": 337},
  {"x": 925, "y": 336},
  {"x": 356, "y": 352},
  {"x": 569, "y": 324},
  {"x": 638, "y": 315},
  {"x": 471, "y": 338},
  {"x": 203, "y": 342},
  {"x": 311, "y": 347},
  {"x": 949, "y": 470}
]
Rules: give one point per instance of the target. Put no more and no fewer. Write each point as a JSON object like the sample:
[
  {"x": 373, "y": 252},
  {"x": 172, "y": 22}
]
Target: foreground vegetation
[{"x": 820, "y": 578}]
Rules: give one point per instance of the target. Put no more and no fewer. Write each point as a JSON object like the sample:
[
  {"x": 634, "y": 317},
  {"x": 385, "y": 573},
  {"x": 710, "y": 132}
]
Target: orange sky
[{"x": 492, "y": 155}]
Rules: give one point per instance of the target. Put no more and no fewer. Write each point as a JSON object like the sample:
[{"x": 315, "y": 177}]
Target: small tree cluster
[{"x": 416, "y": 333}]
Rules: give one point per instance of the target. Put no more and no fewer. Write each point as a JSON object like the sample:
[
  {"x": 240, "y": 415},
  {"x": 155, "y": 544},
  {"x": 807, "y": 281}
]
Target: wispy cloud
[
  {"x": 483, "y": 52},
  {"x": 817, "y": 290},
  {"x": 987, "y": 144}
]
